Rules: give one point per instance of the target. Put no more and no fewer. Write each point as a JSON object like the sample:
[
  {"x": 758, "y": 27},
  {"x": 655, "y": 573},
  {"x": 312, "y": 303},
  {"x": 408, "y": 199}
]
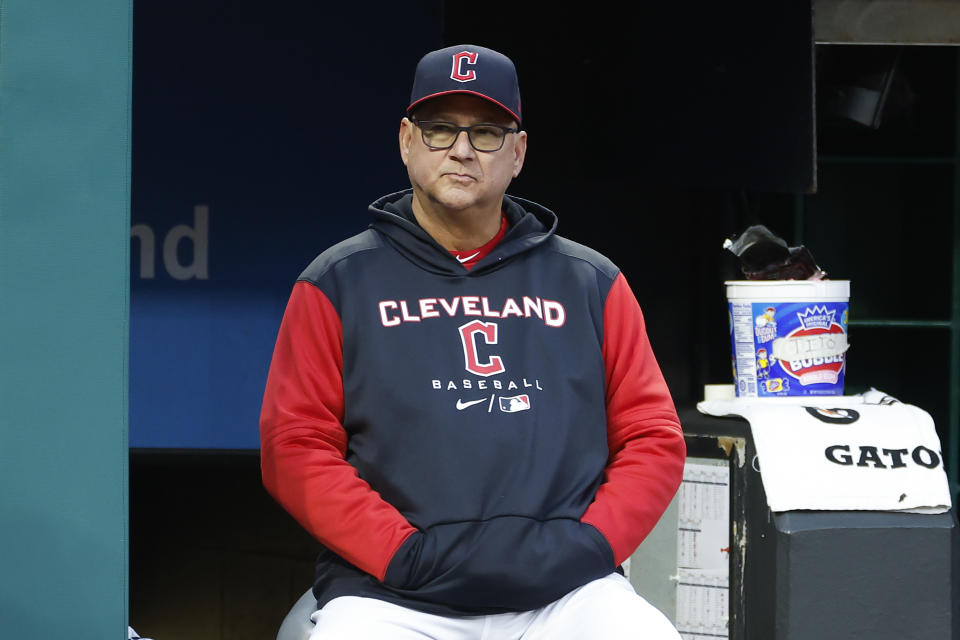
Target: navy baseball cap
[{"x": 470, "y": 69}]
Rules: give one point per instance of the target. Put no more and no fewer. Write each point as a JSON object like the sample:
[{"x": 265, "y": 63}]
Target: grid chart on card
[{"x": 703, "y": 551}]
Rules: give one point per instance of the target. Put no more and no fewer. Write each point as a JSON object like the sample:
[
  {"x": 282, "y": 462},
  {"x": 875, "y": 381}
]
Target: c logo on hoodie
[{"x": 468, "y": 335}]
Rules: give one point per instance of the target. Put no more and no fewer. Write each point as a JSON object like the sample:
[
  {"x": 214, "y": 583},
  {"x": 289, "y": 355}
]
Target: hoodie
[{"x": 467, "y": 442}]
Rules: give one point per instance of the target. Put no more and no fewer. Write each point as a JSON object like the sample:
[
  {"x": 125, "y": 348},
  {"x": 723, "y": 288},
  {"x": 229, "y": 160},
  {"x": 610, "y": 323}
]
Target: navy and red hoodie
[{"x": 467, "y": 441}]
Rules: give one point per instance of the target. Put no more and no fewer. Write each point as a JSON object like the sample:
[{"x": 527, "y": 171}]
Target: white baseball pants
[{"x": 605, "y": 609}]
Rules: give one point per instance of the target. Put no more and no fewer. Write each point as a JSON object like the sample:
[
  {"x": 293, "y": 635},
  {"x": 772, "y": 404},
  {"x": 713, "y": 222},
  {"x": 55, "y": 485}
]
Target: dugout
[{"x": 716, "y": 125}]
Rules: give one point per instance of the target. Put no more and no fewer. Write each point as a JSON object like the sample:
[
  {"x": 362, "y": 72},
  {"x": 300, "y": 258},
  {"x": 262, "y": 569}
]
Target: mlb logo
[{"x": 515, "y": 403}]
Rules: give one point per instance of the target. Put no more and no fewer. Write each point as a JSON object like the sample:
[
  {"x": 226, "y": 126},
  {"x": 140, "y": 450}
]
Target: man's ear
[
  {"x": 406, "y": 137},
  {"x": 519, "y": 152}
]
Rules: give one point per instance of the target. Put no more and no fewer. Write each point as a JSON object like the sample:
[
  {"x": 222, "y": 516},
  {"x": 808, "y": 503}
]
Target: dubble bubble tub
[{"x": 788, "y": 337}]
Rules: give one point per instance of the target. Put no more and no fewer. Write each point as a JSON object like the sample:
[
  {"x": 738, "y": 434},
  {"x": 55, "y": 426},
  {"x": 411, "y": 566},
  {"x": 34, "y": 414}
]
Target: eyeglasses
[{"x": 437, "y": 134}]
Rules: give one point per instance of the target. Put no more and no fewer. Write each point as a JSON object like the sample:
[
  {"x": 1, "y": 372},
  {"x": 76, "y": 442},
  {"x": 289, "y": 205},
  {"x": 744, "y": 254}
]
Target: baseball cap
[{"x": 470, "y": 69}]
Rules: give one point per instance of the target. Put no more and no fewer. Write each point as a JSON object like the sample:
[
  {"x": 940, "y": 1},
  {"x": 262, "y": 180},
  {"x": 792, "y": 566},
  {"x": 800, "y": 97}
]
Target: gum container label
[{"x": 788, "y": 348}]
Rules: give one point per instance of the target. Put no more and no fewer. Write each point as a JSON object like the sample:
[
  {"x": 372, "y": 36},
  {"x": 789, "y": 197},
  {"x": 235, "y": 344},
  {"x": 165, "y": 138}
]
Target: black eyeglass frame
[{"x": 468, "y": 129}]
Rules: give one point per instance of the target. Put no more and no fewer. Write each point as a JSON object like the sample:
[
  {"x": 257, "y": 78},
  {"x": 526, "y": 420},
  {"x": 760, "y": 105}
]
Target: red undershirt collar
[{"x": 471, "y": 257}]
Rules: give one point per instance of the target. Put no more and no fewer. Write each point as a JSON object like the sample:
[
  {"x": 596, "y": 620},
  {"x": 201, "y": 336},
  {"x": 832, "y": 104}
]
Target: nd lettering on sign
[{"x": 197, "y": 237}]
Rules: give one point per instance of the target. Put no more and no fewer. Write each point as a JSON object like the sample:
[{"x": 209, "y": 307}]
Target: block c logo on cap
[{"x": 458, "y": 74}]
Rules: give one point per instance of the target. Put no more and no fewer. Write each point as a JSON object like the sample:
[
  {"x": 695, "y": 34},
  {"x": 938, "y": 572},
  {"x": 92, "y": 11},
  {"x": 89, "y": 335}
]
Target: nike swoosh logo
[
  {"x": 461, "y": 405},
  {"x": 468, "y": 258}
]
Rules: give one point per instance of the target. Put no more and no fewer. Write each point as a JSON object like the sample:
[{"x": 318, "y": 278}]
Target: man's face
[{"x": 461, "y": 178}]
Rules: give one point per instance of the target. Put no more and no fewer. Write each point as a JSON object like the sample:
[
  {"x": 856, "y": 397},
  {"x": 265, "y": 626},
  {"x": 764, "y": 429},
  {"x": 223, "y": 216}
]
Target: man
[{"x": 462, "y": 406}]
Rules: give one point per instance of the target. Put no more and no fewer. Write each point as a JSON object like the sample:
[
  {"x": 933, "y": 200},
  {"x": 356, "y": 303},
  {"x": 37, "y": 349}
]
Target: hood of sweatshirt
[{"x": 530, "y": 225}]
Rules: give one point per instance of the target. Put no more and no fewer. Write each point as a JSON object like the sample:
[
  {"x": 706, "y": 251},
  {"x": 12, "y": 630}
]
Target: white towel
[{"x": 865, "y": 452}]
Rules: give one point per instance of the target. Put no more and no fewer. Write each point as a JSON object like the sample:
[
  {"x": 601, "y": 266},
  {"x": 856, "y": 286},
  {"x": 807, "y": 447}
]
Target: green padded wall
[{"x": 65, "y": 76}]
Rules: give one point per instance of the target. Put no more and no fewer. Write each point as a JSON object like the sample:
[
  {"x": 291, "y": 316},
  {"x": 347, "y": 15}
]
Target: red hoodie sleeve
[
  {"x": 646, "y": 444},
  {"x": 303, "y": 443}
]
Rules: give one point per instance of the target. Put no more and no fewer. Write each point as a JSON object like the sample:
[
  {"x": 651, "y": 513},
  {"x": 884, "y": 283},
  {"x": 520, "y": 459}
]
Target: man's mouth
[{"x": 460, "y": 177}]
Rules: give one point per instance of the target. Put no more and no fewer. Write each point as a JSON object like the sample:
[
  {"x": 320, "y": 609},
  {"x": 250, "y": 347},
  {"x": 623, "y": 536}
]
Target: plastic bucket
[{"x": 788, "y": 337}]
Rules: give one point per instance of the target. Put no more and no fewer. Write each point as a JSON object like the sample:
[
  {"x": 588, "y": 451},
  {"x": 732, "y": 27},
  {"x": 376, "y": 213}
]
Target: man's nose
[{"x": 461, "y": 146}]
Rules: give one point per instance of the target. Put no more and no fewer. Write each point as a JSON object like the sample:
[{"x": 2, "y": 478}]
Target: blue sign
[{"x": 260, "y": 135}]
